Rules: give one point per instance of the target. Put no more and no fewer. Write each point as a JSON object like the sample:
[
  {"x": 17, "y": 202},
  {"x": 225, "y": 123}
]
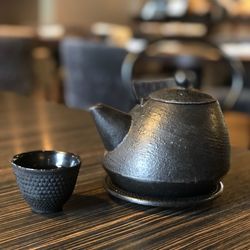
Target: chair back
[
  {"x": 15, "y": 64},
  {"x": 93, "y": 75}
]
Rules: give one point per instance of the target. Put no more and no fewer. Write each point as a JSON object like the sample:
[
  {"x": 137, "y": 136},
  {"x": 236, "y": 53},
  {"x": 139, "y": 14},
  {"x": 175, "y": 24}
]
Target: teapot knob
[{"x": 184, "y": 78}]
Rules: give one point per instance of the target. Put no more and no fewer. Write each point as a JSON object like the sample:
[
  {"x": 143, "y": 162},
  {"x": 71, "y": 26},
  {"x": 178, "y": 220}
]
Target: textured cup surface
[{"x": 46, "y": 179}]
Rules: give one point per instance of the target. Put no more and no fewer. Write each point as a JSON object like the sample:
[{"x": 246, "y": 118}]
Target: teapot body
[{"x": 171, "y": 150}]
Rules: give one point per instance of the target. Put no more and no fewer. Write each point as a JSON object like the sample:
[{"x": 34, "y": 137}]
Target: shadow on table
[
  {"x": 229, "y": 201},
  {"x": 234, "y": 198},
  {"x": 80, "y": 203},
  {"x": 85, "y": 202}
]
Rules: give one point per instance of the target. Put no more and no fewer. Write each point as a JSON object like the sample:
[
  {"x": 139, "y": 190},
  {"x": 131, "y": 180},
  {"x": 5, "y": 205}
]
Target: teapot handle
[{"x": 237, "y": 72}]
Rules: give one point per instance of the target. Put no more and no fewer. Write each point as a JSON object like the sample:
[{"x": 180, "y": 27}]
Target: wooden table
[{"x": 92, "y": 219}]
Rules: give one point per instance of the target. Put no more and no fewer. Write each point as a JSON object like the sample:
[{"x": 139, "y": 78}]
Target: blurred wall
[
  {"x": 68, "y": 12},
  {"x": 85, "y": 12},
  {"x": 18, "y": 12}
]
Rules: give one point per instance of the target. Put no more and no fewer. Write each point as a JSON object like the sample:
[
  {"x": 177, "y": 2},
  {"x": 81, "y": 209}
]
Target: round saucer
[{"x": 160, "y": 202}]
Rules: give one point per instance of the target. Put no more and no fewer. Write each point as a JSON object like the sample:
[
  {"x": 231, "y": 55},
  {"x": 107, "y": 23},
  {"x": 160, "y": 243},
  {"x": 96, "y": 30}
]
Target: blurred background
[{"x": 81, "y": 52}]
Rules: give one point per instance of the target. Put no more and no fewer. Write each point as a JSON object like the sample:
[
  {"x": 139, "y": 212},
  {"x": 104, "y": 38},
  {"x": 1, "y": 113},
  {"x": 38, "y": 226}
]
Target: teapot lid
[{"x": 181, "y": 96}]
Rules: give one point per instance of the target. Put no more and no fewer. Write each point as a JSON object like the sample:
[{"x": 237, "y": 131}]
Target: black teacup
[{"x": 46, "y": 179}]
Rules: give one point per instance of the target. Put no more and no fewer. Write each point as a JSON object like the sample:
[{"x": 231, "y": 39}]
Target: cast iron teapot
[{"x": 172, "y": 149}]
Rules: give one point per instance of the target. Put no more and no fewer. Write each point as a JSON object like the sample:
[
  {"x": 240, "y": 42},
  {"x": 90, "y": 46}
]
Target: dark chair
[
  {"x": 93, "y": 75},
  {"x": 15, "y": 64}
]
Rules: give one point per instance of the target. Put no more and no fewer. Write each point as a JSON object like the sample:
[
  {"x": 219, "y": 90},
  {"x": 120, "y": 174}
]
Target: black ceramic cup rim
[{"x": 29, "y": 168}]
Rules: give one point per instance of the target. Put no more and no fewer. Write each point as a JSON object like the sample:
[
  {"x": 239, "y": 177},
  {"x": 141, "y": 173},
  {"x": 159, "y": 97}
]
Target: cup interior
[{"x": 46, "y": 160}]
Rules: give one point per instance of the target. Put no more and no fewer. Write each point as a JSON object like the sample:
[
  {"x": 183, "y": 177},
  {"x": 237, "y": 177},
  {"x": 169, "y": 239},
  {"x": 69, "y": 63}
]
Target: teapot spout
[{"x": 111, "y": 124}]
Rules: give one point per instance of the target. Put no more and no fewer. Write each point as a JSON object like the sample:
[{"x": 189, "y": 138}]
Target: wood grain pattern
[{"x": 92, "y": 219}]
